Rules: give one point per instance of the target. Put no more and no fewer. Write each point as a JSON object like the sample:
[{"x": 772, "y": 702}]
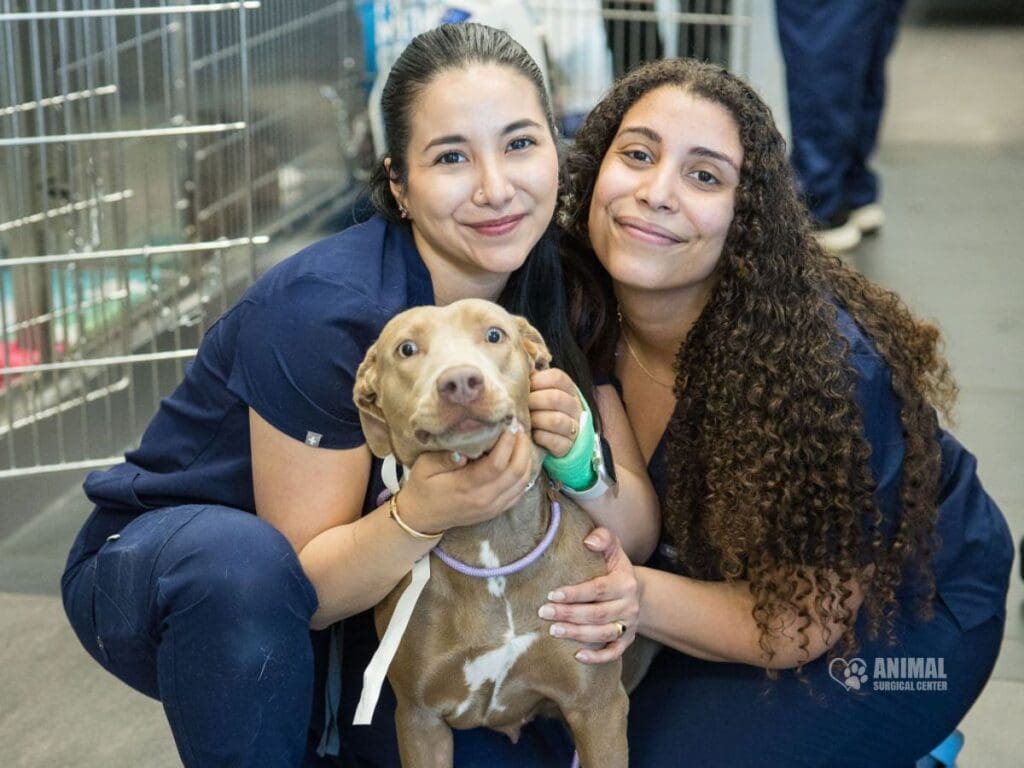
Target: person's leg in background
[
  {"x": 206, "y": 609},
  {"x": 693, "y": 712},
  {"x": 861, "y": 183},
  {"x": 827, "y": 48}
]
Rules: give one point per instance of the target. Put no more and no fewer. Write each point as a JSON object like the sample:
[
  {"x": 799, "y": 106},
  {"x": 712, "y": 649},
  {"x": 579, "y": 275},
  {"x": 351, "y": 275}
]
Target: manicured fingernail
[
  {"x": 515, "y": 426},
  {"x": 592, "y": 541},
  {"x": 556, "y": 596},
  {"x": 557, "y": 630},
  {"x": 582, "y": 656},
  {"x": 456, "y": 457},
  {"x": 546, "y": 612}
]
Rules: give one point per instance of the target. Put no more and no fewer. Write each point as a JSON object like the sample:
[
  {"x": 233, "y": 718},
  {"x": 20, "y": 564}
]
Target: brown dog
[{"x": 475, "y": 652}]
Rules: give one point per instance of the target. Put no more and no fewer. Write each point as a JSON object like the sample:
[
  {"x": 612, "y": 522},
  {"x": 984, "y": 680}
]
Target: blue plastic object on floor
[{"x": 944, "y": 755}]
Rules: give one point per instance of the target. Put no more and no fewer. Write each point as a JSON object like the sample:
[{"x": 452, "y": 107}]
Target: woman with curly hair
[{"x": 818, "y": 521}]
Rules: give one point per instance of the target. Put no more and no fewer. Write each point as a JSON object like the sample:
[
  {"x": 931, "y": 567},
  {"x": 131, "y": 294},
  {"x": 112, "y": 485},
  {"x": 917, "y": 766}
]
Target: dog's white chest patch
[
  {"x": 488, "y": 558},
  {"x": 494, "y": 666}
]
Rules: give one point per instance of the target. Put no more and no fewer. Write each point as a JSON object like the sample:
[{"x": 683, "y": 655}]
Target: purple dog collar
[{"x": 505, "y": 570}]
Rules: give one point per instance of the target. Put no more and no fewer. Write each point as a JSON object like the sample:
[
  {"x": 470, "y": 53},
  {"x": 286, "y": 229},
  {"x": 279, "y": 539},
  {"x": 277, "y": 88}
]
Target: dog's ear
[
  {"x": 533, "y": 344},
  {"x": 365, "y": 396}
]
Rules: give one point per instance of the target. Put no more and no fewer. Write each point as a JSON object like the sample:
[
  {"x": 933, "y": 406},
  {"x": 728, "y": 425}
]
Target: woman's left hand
[
  {"x": 554, "y": 411},
  {"x": 602, "y": 610}
]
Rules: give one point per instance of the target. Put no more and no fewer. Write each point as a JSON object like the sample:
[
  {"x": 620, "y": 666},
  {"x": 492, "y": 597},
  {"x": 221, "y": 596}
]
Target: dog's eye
[
  {"x": 407, "y": 349},
  {"x": 495, "y": 335}
]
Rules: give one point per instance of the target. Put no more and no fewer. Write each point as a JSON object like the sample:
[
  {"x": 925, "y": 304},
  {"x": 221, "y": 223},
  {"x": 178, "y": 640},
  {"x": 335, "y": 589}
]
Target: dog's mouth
[
  {"x": 461, "y": 428},
  {"x": 470, "y": 425}
]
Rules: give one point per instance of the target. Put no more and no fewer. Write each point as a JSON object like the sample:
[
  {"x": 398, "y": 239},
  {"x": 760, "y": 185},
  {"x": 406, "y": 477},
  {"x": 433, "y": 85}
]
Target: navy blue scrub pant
[
  {"x": 835, "y": 53},
  {"x": 207, "y": 609},
  {"x": 693, "y": 712}
]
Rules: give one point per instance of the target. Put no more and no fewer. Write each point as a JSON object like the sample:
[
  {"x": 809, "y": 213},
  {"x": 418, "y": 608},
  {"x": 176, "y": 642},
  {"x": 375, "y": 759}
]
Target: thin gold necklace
[{"x": 636, "y": 357}]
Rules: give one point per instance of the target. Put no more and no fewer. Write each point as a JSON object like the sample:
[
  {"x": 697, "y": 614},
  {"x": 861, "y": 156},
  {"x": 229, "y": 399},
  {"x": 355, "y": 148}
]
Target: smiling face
[
  {"x": 447, "y": 378},
  {"x": 665, "y": 194},
  {"x": 482, "y": 175}
]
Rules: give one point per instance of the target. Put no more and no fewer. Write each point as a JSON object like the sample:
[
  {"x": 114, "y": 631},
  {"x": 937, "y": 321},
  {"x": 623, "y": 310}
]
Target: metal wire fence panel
[
  {"x": 580, "y": 44},
  {"x": 711, "y": 30},
  {"x": 590, "y": 42},
  {"x": 148, "y": 150}
]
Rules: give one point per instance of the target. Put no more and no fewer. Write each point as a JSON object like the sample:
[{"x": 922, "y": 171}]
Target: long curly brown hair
[{"x": 768, "y": 473}]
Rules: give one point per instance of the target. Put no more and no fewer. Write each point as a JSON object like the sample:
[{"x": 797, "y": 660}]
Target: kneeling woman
[
  {"x": 248, "y": 513},
  {"x": 814, "y": 509}
]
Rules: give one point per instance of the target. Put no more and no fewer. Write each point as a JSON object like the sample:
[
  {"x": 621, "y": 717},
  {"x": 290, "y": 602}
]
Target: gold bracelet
[{"x": 393, "y": 512}]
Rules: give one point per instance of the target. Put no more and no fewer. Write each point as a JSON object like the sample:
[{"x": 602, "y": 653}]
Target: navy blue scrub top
[
  {"x": 975, "y": 554},
  {"x": 289, "y": 349}
]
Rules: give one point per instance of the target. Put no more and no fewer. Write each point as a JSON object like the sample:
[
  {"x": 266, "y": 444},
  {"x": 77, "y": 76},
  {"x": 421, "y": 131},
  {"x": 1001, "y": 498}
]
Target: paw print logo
[
  {"x": 855, "y": 674},
  {"x": 852, "y": 674}
]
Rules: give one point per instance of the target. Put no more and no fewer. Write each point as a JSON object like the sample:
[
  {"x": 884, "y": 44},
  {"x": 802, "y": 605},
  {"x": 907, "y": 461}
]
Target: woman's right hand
[
  {"x": 605, "y": 609},
  {"x": 446, "y": 491}
]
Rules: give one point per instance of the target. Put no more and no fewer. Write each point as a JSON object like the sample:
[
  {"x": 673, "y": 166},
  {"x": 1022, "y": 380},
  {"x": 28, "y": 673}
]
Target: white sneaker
[
  {"x": 838, "y": 237},
  {"x": 868, "y": 218}
]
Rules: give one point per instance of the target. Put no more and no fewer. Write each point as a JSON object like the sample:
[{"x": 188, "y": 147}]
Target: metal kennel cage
[
  {"x": 581, "y": 44},
  {"x": 150, "y": 154}
]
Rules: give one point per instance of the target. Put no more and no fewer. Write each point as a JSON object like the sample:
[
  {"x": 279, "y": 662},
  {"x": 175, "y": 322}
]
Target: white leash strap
[
  {"x": 389, "y": 473},
  {"x": 377, "y": 669}
]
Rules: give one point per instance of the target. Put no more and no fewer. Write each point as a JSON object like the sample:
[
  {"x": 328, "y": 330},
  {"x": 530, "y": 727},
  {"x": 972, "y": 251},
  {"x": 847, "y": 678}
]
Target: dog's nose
[{"x": 461, "y": 384}]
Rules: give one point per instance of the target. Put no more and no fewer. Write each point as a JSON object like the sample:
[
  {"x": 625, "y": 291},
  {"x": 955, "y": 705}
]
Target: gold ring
[{"x": 621, "y": 626}]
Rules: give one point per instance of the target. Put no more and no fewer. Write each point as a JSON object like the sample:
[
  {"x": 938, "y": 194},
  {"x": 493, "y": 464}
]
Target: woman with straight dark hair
[
  {"x": 818, "y": 522},
  {"x": 248, "y": 513}
]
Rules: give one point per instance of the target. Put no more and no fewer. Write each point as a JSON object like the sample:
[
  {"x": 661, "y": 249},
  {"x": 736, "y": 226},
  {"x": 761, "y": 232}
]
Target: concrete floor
[{"x": 952, "y": 159}]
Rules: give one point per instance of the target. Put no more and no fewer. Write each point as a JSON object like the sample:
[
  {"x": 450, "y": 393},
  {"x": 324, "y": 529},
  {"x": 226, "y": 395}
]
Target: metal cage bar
[{"x": 152, "y": 152}]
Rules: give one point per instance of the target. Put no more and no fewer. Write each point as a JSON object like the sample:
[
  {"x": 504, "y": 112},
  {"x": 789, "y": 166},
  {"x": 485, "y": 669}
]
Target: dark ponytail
[{"x": 537, "y": 291}]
